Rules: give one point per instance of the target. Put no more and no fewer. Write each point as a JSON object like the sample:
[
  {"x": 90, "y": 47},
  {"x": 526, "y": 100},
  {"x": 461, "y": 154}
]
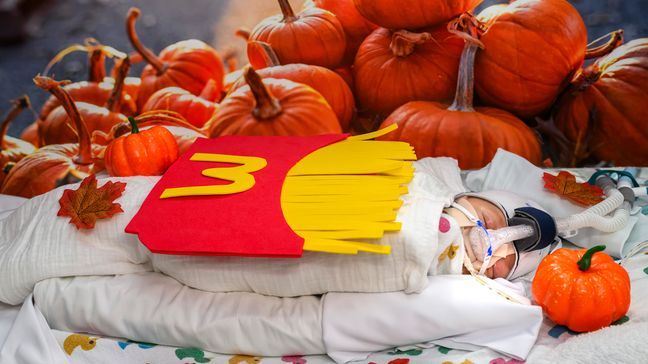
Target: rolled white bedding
[{"x": 35, "y": 245}]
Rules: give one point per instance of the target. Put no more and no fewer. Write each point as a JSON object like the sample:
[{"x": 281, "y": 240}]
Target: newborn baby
[{"x": 436, "y": 215}]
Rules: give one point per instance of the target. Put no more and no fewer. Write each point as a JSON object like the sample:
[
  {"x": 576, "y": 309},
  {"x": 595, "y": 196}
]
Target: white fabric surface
[
  {"x": 151, "y": 307},
  {"x": 510, "y": 172},
  {"x": 36, "y": 245},
  {"x": 30, "y": 339},
  {"x": 454, "y": 308}
]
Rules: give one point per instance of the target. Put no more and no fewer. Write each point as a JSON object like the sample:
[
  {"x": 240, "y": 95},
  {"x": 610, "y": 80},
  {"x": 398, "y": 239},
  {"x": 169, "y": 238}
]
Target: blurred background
[{"x": 33, "y": 31}]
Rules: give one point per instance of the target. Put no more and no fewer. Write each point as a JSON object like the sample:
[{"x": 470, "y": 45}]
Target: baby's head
[{"x": 499, "y": 209}]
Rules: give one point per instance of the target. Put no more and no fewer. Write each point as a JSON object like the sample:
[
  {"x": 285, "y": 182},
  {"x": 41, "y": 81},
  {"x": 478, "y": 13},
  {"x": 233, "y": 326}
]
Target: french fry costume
[
  {"x": 277, "y": 196},
  {"x": 363, "y": 206}
]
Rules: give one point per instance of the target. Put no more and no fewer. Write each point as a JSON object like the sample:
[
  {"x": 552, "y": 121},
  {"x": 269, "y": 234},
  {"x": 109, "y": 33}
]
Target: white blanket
[
  {"x": 36, "y": 245},
  {"x": 150, "y": 307}
]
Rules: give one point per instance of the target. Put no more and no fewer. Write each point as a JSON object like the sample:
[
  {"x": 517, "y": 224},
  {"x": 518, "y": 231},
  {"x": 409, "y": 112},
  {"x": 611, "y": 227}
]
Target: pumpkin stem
[
  {"x": 133, "y": 125},
  {"x": 261, "y": 55},
  {"x": 287, "y": 11},
  {"x": 404, "y": 43},
  {"x": 146, "y": 53},
  {"x": 243, "y": 33},
  {"x": 114, "y": 101},
  {"x": 585, "y": 262},
  {"x": 267, "y": 106},
  {"x": 468, "y": 28},
  {"x": 56, "y": 89},
  {"x": 210, "y": 92},
  {"x": 616, "y": 40},
  {"x": 18, "y": 105},
  {"x": 96, "y": 60},
  {"x": 229, "y": 56}
]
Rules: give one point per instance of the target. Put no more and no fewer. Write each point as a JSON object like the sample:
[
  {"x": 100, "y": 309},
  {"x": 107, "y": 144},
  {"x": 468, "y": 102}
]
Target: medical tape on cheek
[{"x": 480, "y": 224}]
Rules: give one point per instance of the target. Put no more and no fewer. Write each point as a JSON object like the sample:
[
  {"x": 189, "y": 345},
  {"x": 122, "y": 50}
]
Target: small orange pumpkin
[
  {"x": 582, "y": 289},
  {"x": 470, "y": 135},
  {"x": 393, "y": 68},
  {"x": 146, "y": 153},
  {"x": 52, "y": 165},
  {"x": 12, "y": 149},
  {"x": 314, "y": 36},
  {"x": 188, "y": 64},
  {"x": 273, "y": 107}
]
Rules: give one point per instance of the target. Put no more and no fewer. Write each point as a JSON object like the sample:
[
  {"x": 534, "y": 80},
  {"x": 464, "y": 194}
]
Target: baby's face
[{"x": 488, "y": 213}]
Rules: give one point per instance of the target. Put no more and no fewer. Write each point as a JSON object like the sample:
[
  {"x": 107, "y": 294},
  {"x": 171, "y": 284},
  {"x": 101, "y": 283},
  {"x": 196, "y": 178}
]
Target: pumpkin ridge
[{"x": 614, "y": 107}]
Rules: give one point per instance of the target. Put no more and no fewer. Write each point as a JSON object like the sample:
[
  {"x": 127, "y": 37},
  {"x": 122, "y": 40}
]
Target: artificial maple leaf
[
  {"x": 88, "y": 203},
  {"x": 565, "y": 185}
]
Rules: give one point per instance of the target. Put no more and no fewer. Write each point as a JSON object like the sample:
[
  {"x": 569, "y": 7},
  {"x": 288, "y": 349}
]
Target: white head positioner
[{"x": 534, "y": 231}]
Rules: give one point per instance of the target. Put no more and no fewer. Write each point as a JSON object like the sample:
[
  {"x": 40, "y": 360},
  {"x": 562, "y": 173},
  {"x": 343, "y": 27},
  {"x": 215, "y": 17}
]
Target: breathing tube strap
[{"x": 544, "y": 227}]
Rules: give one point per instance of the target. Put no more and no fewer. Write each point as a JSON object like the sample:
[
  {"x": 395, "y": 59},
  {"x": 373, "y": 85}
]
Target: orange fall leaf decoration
[
  {"x": 88, "y": 203},
  {"x": 565, "y": 185}
]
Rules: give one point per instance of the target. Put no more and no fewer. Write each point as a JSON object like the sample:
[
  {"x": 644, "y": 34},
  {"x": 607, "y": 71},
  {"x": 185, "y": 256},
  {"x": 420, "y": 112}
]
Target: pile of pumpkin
[{"x": 349, "y": 66}]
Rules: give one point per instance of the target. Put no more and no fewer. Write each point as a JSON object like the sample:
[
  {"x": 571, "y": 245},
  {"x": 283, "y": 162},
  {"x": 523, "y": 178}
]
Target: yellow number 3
[{"x": 240, "y": 176}]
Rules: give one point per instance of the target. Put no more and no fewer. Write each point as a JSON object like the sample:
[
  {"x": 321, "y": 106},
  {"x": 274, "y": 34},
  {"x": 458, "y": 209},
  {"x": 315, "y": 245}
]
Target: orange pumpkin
[
  {"x": 184, "y": 133},
  {"x": 314, "y": 36},
  {"x": 356, "y": 27},
  {"x": 13, "y": 149},
  {"x": 412, "y": 14},
  {"x": 273, "y": 107},
  {"x": 582, "y": 289},
  {"x": 393, "y": 68},
  {"x": 57, "y": 127},
  {"x": 98, "y": 88},
  {"x": 195, "y": 109},
  {"x": 328, "y": 83},
  {"x": 532, "y": 47},
  {"x": 603, "y": 110},
  {"x": 188, "y": 64},
  {"x": 45, "y": 169},
  {"x": 146, "y": 153},
  {"x": 470, "y": 135}
]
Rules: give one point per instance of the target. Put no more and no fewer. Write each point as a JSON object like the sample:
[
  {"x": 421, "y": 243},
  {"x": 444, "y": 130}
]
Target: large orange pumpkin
[
  {"x": 412, "y": 14},
  {"x": 328, "y": 83},
  {"x": 188, "y": 64},
  {"x": 45, "y": 169},
  {"x": 603, "y": 110},
  {"x": 356, "y": 27},
  {"x": 314, "y": 36},
  {"x": 273, "y": 107},
  {"x": 58, "y": 128},
  {"x": 583, "y": 290},
  {"x": 470, "y": 135},
  {"x": 393, "y": 68},
  {"x": 12, "y": 149},
  {"x": 195, "y": 109},
  {"x": 532, "y": 47}
]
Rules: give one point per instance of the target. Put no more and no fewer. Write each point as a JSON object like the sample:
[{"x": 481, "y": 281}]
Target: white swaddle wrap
[{"x": 36, "y": 245}]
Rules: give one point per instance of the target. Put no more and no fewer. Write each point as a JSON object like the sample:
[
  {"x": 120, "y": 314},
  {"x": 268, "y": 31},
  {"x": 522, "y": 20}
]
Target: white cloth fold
[
  {"x": 151, "y": 307},
  {"x": 454, "y": 310},
  {"x": 30, "y": 339}
]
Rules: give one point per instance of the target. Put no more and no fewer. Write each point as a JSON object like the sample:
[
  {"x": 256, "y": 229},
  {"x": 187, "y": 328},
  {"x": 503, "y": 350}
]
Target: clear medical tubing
[{"x": 592, "y": 217}]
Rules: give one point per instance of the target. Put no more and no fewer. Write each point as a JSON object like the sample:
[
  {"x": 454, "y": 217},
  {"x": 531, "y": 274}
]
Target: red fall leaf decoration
[
  {"x": 88, "y": 203},
  {"x": 565, "y": 185}
]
